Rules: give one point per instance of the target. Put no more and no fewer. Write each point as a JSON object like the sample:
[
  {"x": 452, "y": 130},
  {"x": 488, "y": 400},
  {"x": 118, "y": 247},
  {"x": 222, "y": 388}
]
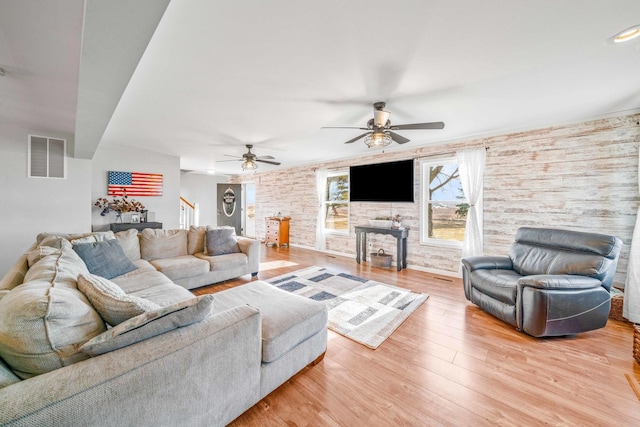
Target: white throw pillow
[
  {"x": 110, "y": 301},
  {"x": 150, "y": 324}
]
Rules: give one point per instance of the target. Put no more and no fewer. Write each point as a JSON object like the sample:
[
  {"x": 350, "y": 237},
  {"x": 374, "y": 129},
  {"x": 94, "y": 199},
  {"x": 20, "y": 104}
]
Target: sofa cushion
[
  {"x": 141, "y": 266},
  {"x": 105, "y": 258},
  {"x": 501, "y": 285},
  {"x": 153, "y": 286},
  {"x": 111, "y": 302},
  {"x": 181, "y": 267},
  {"x": 224, "y": 262},
  {"x": 287, "y": 319},
  {"x": 130, "y": 243},
  {"x": 157, "y": 243},
  {"x": 15, "y": 276},
  {"x": 56, "y": 266},
  {"x": 150, "y": 324},
  {"x": 98, "y": 236},
  {"x": 43, "y": 325},
  {"x": 221, "y": 241},
  {"x": 7, "y": 377},
  {"x": 195, "y": 239}
]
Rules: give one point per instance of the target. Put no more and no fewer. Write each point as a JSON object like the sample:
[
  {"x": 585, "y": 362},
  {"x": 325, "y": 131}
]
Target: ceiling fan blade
[
  {"x": 431, "y": 125},
  {"x": 343, "y": 127},
  {"x": 357, "y": 137},
  {"x": 234, "y": 160},
  {"x": 398, "y": 138},
  {"x": 268, "y": 161},
  {"x": 229, "y": 155},
  {"x": 265, "y": 157}
]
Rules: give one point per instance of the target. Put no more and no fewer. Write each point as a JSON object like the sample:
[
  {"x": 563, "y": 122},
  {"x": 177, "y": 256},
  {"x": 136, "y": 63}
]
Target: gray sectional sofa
[{"x": 78, "y": 348}]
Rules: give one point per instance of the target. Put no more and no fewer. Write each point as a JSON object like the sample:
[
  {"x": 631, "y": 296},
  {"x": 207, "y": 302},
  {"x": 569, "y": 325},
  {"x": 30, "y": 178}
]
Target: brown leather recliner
[{"x": 554, "y": 282}]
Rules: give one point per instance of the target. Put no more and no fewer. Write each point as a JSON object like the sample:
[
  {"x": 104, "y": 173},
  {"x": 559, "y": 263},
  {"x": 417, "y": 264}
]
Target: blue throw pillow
[{"x": 105, "y": 259}]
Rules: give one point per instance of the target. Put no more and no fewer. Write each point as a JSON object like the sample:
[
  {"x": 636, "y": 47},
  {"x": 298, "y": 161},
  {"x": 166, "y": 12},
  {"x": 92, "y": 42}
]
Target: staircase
[{"x": 189, "y": 213}]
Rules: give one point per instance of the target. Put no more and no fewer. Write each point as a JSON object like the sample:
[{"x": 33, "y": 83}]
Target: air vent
[{"x": 46, "y": 157}]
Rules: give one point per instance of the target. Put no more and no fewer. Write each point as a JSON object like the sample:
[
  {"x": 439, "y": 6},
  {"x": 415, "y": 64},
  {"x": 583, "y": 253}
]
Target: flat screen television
[{"x": 382, "y": 182}]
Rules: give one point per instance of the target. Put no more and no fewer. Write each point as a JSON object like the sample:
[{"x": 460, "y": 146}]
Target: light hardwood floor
[{"x": 449, "y": 364}]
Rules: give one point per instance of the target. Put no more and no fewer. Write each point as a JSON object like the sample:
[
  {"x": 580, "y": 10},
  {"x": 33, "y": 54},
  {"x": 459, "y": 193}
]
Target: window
[
  {"x": 444, "y": 205},
  {"x": 46, "y": 157},
  {"x": 336, "y": 204}
]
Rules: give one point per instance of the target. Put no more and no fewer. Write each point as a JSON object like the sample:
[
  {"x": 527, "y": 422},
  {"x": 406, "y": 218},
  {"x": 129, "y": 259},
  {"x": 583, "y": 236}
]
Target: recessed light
[
  {"x": 625, "y": 35},
  {"x": 211, "y": 171}
]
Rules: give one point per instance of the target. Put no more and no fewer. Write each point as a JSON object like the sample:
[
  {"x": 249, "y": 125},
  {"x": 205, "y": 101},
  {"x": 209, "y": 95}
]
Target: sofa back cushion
[
  {"x": 195, "y": 239},
  {"x": 15, "y": 276},
  {"x": 56, "y": 266},
  {"x": 554, "y": 251},
  {"x": 130, "y": 243},
  {"x": 7, "y": 377},
  {"x": 43, "y": 326},
  {"x": 157, "y": 243}
]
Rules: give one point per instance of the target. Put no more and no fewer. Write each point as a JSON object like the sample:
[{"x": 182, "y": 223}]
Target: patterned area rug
[{"x": 364, "y": 310}]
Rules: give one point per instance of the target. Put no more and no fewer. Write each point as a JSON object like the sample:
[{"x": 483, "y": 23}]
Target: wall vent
[{"x": 47, "y": 157}]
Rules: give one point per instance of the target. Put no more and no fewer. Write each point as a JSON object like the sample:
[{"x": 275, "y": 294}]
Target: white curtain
[
  {"x": 321, "y": 185},
  {"x": 631, "y": 302},
  {"x": 471, "y": 169}
]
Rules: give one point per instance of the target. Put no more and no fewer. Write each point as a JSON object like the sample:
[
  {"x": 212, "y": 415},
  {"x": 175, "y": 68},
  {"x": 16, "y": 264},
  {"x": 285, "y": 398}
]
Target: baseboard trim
[{"x": 436, "y": 271}]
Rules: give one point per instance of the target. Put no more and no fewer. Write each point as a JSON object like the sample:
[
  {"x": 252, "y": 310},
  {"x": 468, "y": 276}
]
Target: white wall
[
  {"x": 164, "y": 209},
  {"x": 202, "y": 189},
  {"x": 29, "y": 206}
]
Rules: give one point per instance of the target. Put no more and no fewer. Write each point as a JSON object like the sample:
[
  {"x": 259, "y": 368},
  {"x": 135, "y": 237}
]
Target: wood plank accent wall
[{"x": 581, "y": 176}]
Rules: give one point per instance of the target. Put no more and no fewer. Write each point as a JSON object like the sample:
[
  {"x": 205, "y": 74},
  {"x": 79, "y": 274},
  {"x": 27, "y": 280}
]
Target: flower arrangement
[
  {"x": 119, "y": 206},
  {"x": 395, "y": 218}
]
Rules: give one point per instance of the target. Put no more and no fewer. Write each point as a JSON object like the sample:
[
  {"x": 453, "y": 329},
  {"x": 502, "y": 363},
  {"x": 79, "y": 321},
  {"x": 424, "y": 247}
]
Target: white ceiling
[{"x": 217, "y": 75}]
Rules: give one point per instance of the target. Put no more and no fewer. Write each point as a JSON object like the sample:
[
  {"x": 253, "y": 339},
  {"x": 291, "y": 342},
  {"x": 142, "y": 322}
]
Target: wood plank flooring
[{"x": 449, "y": 364}]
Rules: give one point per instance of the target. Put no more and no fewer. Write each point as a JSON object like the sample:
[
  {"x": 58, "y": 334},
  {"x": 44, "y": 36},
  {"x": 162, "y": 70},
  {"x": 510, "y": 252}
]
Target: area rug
[{"x": 363, "y": 310}]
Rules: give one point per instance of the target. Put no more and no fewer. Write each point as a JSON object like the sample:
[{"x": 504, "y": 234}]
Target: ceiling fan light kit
[
  {"x": 378, "y": 140},
  {"x": 249, "y": 160},
  {"x": 379, "y": 129},
  {"x": 249, "y": 165}
]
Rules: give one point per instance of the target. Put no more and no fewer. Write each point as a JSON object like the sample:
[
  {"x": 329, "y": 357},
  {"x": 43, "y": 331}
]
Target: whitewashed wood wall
[{"x": 581, "y": 176}]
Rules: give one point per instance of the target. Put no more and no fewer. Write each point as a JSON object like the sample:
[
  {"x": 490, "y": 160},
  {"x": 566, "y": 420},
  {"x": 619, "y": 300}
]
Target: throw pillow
[
  {"x": 106, "y": 259},
  {"x": 222, "y": 241},
  {"x": 150, "y": 324},
  {"x": 110, "y": 301}
]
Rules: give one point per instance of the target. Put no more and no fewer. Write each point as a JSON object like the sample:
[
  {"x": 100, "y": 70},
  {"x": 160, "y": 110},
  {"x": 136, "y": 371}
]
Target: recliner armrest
[
  {"x": 559, "y": 281},
  {"x": 487, "y": 263}
]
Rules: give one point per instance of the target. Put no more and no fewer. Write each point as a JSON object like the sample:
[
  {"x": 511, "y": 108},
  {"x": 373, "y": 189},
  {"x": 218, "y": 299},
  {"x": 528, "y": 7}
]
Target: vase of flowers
[{"x": 119, "y": 206}]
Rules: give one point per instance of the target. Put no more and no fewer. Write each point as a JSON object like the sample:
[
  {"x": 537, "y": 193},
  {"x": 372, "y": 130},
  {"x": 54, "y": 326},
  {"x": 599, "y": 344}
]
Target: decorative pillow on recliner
[
  {"x": 110, "y": 301},
  {"x": 221, "y": 241},
  {"x": 150, "y": 324},
  {"x": 106, "y": 259}
]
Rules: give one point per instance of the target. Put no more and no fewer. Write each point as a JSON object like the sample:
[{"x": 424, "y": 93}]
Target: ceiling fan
[
  {"x": 250, "y": 159},
  {"x": 380, "y": 130}
]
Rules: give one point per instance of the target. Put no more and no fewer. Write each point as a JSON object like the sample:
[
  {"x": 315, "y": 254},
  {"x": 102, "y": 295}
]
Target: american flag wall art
[{"x": 134, "y": 184}]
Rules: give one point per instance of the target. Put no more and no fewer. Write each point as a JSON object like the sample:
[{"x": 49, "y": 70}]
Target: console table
[
  {"x": 121, "y": 226},
  {"x": 399, "y": 234}
]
